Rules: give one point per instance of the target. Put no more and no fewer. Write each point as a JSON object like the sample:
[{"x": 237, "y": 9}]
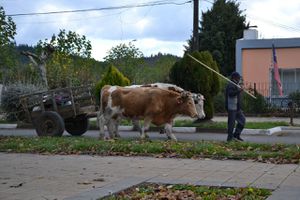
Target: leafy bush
[
  {"x": 258, "y": 105},
  {"x": 112, "y": 77},
  {"x": 219, "y": 103},
  {"x": 219, "y": 99},
  {"x": 191, "y": 76},
  {"x": 10, "y": 104},
  {"x": 295, "y": 97}
]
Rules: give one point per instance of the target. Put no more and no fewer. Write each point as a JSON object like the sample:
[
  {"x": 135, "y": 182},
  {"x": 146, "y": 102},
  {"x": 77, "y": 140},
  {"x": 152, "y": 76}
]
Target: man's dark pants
[{"x": 233, "y": 116}]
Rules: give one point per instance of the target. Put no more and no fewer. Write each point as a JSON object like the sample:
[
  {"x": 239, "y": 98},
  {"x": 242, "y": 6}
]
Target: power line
[
  {"x": 295, "y": 29},
  {"x": 209, "y": 1},
  {"x": 155, "y": 3},
  {"x": 74, "y": 19}
]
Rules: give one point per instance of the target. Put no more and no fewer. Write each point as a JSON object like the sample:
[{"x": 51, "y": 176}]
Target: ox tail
[
  {"x": 100, "y": 111},
  {"x": 101, "y": 101}
]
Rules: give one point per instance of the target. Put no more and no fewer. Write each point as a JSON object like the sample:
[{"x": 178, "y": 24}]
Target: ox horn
[{"x": 184, "y": 94}]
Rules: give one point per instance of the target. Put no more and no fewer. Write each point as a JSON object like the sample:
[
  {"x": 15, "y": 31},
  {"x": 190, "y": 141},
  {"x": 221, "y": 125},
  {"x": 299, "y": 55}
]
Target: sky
[{"x": 152, "y": 29}]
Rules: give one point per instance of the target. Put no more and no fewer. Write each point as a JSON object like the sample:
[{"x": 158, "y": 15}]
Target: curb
[
  {"x": 8, "y": 126},
  {"x": 271, "y": 131}
]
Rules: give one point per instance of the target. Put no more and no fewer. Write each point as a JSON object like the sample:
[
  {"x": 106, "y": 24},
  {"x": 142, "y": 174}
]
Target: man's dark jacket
[{"x": 232, "y": 97}]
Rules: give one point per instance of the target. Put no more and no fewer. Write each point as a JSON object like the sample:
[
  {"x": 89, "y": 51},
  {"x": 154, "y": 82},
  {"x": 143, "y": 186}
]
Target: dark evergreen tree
[{"x": 220, "y": 27}]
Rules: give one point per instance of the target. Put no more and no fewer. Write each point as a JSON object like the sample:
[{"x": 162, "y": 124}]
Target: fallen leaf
[
  {"x": 84, "y": 183},
  {"x": 99, "y": 179},
  {"x": 16, "y": 186}
]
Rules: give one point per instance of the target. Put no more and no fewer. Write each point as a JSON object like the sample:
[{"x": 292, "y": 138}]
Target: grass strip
[
  {"x": 212, "y": 125},
  {"x": 273, "y": 153},
  {"x": 180, "y": 191}
]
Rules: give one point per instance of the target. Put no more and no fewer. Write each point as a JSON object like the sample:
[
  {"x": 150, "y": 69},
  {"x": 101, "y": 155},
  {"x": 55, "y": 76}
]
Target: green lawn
[{"x": 274, "y": 153}]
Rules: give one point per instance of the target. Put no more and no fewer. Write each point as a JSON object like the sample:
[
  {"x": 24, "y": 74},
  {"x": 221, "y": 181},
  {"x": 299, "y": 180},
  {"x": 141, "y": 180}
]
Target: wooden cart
[{"x": 51, "y": 112}]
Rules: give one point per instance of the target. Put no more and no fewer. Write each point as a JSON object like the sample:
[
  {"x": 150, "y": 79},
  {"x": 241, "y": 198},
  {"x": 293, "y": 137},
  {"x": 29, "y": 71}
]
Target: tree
[
  {"x": 220, "y": 27},
  {"x": 7, "y": 28},
  {"x": 40, "y": 62},
  {"x": 193, "y": 77},
  {"x": 7, "y": 46},
  {"x": 127, "y": 58},
  {"x": 112, "y": 77},
  {"x": 156, "y": 68},
  {"x": 69, "y": 43},
  {"x": 61, "y": 68}
]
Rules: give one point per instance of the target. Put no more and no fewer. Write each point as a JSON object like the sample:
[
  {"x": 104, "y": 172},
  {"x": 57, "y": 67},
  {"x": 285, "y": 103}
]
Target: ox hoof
[
  {"x": 145, "y": 138},
  {"x": 162, "y": 131},
  {"x": 172, "y": 138}
]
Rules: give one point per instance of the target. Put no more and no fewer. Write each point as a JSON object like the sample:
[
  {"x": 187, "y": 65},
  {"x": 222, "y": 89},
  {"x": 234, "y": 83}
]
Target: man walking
[{"x": 233, "y": 107}]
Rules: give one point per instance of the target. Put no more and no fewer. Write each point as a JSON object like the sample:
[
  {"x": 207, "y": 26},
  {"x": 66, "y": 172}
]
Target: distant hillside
[
  {"x": 155, "y": 67},
  {"x": 153, "y": 59}
]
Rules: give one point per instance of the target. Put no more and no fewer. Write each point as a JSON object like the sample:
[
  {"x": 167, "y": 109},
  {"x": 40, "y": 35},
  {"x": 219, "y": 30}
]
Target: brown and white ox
[
  {"x": 151, "y": 104},
  {"x": 197, "y": 97}
]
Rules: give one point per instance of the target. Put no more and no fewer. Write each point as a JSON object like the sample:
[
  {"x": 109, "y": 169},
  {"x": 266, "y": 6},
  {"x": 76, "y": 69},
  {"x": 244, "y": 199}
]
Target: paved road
[{"x": 290, "y": 138}]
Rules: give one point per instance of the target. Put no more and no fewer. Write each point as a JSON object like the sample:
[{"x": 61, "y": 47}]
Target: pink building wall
[{"x": 256, "y": 64}]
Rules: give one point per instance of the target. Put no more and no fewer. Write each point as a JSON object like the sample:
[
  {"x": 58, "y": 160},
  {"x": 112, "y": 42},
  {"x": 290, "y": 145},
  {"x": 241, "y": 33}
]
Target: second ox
[{"x": 151, "y": 104}]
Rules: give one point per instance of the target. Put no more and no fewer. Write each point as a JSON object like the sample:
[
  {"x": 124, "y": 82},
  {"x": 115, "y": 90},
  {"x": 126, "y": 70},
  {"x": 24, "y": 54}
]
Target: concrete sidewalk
[{"x": 74, "y": 177}]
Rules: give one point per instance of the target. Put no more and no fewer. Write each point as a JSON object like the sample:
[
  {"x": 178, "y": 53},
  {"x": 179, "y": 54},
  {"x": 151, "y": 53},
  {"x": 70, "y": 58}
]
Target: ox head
[
  {"x": 186, "y": 104},
  {"x": 199, "y": 103}
]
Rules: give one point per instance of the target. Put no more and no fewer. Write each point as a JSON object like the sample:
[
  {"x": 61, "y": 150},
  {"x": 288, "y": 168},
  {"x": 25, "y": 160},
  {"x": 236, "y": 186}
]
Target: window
[{"x": 290, "y": 80}]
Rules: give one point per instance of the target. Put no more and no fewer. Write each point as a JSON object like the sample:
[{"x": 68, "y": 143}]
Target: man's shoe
[{"x": 239, "y": 138}]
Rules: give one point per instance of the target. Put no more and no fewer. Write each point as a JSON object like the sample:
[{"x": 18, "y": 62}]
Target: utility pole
[{"x": 195, "y": 41}]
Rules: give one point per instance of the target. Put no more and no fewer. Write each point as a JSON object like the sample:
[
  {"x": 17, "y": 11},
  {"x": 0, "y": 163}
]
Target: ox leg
[
  {"x": 111, "y": 128},
  {"x": 136, "y": 125},
  {"x": 170, "y": 135},
  {"x": 116, "y": 128},
  {"x": 101, "y": 124},
  {"x": 145, "y": 128}
]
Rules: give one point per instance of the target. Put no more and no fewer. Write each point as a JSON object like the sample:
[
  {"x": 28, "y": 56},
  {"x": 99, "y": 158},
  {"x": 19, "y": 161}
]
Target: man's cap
[{"x": 235, "y": 75}]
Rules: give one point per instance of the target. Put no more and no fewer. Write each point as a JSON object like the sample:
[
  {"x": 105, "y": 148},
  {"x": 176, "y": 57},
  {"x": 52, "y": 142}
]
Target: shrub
[
  {"x": 295, "y": 97},
  {"x": 219, "y": 99},
  {"x": 258, "y": 105},
  {"x": 219, "y": 103},
  {"x": 191, "y": 76},
  {"x": 10, "y": 99},
  {"x": 112, "y": 77}
]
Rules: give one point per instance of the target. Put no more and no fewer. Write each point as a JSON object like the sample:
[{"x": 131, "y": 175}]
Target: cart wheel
[
  {"x": 49, "y": 124},
  {"x": 77, "y": 126}
]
